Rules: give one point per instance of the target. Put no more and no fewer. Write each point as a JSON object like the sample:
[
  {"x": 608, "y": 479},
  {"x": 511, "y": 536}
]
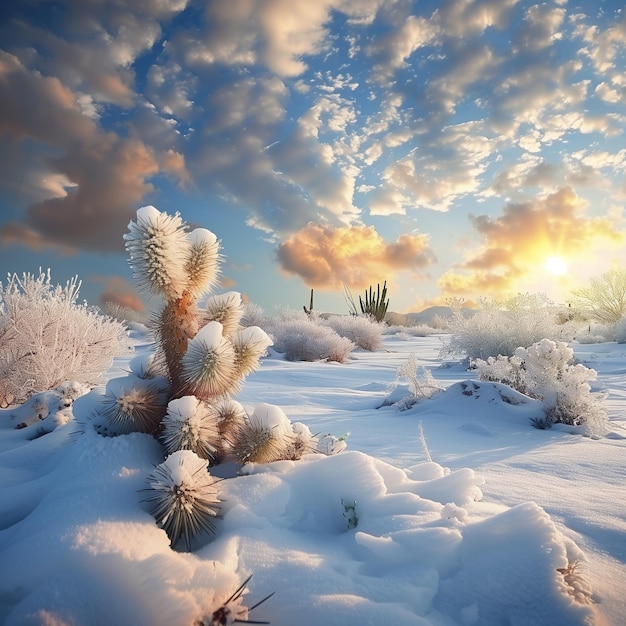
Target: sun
[{"x": 556, "y": 265}]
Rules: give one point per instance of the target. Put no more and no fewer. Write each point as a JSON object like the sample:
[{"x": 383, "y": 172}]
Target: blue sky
[{"x": 449, "y": 148}]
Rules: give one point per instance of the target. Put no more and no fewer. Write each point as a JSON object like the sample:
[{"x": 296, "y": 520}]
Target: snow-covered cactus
[
  {"x": 330, "y": 445},
  {"x": 204, "y": 351},
  {"x": 133, "y": 404},
  {"x": 208, "y": 365},
  {"x": 303, "y": 442},
  {"x": 231, "y": 417},
  {"x": 265, "y": 436},
  {"x": 191, "y": 424},
  {"x": 250, "y": 345},
  {"x": 183, "y": 496},
  {"x": 227, "y": 309}
]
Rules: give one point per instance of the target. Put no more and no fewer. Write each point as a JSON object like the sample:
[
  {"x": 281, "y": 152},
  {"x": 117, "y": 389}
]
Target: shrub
[
  {"x": 498, "y": 328},
  {"x": 46, "y": 338},
  {"x": 546, "y": 371},
  {"x": 620, "y": 330},
  {"x": 365, "y": 332},
  {"x": 605, "y": 297},
  {"x": 301, "y": 338}
]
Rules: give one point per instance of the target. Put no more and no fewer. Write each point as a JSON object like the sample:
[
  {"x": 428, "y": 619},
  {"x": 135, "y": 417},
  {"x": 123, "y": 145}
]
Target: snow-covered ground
[{"x": 454, "y": 512}]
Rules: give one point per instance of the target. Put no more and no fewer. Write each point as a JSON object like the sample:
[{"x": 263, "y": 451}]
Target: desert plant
[
  {"x": 232, "y": 610},
  {"x": 203, "y": 355},
  {"x": 374, "y": 304},
  {"x": 605, "y": 297},
  {"x": 546, "y": 371},
  {"x": 47, "y": 338},
  {"x": 421, "y": 383},
  {"x": 203, "y": 352},
  {"x": 310, "y": 309},
  {"x": 184, "y": 496},
  {"x": 500, "y": 327},
  {"x": 301, "y": 337},
  {"x": 363, "y": 331}
]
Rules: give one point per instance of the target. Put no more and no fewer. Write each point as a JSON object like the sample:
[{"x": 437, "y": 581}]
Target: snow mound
[{"x": 342, "y": 539}]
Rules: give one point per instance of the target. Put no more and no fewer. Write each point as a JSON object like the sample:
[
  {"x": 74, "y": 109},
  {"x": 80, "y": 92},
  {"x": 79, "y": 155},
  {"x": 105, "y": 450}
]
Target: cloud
[
  {"x": 446, "y": 167},
  {"x": 517, "y": 243},
  {"x": 286, "y": 183},
  {"x": 326, "y": 257},
  {"x": 16, "y": 233},
  {"x": 119, "y": 291},
  {"x": 98, "y": 177},
  {"x": 604, "y": 46}
]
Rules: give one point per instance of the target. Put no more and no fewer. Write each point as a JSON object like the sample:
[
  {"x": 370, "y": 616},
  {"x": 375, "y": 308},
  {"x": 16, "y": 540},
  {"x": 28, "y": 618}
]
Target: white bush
[
  {"x": 46, "y": 338},
  {"x": 499, "y": 328},
  {"x": 362, "y": 330},
  {"x": 422, "y": 384},
  {"x": 620, "y": 330},
  {"x": 301, "y": 338},
  {"x": 546, "y": 371}
]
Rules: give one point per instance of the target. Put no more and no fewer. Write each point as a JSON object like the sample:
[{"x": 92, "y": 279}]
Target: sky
[{"x": 449, "y": 148}]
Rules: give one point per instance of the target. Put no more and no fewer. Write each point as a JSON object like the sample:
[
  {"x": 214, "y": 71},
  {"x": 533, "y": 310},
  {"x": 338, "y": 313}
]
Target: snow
[
  {"x": 202, "y": 237},
  {"x": 210, "y": 335},
  {"x": 378, "y": 534}
]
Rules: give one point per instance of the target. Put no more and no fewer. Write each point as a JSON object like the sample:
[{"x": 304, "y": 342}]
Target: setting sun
[{"x": 556, "y": 265}]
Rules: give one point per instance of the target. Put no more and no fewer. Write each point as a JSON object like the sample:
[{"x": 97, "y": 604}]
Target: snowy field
[{"x": 483, "y": 520}]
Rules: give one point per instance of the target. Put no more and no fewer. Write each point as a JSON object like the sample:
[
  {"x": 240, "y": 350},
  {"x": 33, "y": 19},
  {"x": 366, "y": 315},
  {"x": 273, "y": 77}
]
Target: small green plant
[
  {"x": 374, "y": 303},
  {"x": 349, "y": 512}
]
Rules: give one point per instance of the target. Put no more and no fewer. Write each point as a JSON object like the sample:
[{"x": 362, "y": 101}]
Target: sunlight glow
[{"x": 556, "y": 265}]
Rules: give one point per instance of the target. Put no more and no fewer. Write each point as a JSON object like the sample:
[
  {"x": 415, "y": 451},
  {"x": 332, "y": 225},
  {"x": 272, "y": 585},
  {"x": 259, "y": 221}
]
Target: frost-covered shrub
[
  {"x": 364, "y": 331},
  {"x": 413, "y": 383},
  {"x": 407, "y": 332},
  {"x": 499, "y": 328},
  {"x": 620, "y": 330},
  {"x": 252, "y": 315},
  {"x": 546, "y": 371},
  {"x": 301, "y": 338},
  {"x": 46, "y": 338}
]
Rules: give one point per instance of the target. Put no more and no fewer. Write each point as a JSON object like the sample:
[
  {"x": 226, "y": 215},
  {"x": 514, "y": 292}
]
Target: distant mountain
[{"x": 427, "y": 317}]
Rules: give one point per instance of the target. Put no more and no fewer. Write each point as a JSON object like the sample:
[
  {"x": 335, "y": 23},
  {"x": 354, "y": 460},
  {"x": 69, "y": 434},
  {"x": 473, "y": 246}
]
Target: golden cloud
[
  {"x": 327, "y": 257},
  {"x": 518, "y": 242},
  {"x": 119, "y": 291}
]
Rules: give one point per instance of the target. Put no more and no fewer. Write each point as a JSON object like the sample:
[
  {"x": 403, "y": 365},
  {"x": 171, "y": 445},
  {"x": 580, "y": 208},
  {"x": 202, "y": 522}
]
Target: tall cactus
[
  {"x": 184, "y": 393},
  {"x": 375, "y": 304}
]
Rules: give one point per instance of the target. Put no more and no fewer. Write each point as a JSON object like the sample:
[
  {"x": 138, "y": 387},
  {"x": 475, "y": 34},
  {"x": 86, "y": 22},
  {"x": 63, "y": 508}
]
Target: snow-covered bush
[
  {"x": 546, "y": 371},
  {"x": 620, "y": 330},
  {"x": 47, "y": 338},
  {"x": 412, "y": 384},
  {"x": 498, "y": 328},
  {"x": 364, "y": 331},
  {"x": 301, "y": 338}
]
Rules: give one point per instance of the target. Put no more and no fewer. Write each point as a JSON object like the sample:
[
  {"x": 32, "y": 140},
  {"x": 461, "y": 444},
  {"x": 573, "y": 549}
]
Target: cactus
[
  {"x": 310, "y": 309},
  {"x": 183, "y": 394},
  {"x": 199, "y": 348},
  {"x": 375, "y": 305}
]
